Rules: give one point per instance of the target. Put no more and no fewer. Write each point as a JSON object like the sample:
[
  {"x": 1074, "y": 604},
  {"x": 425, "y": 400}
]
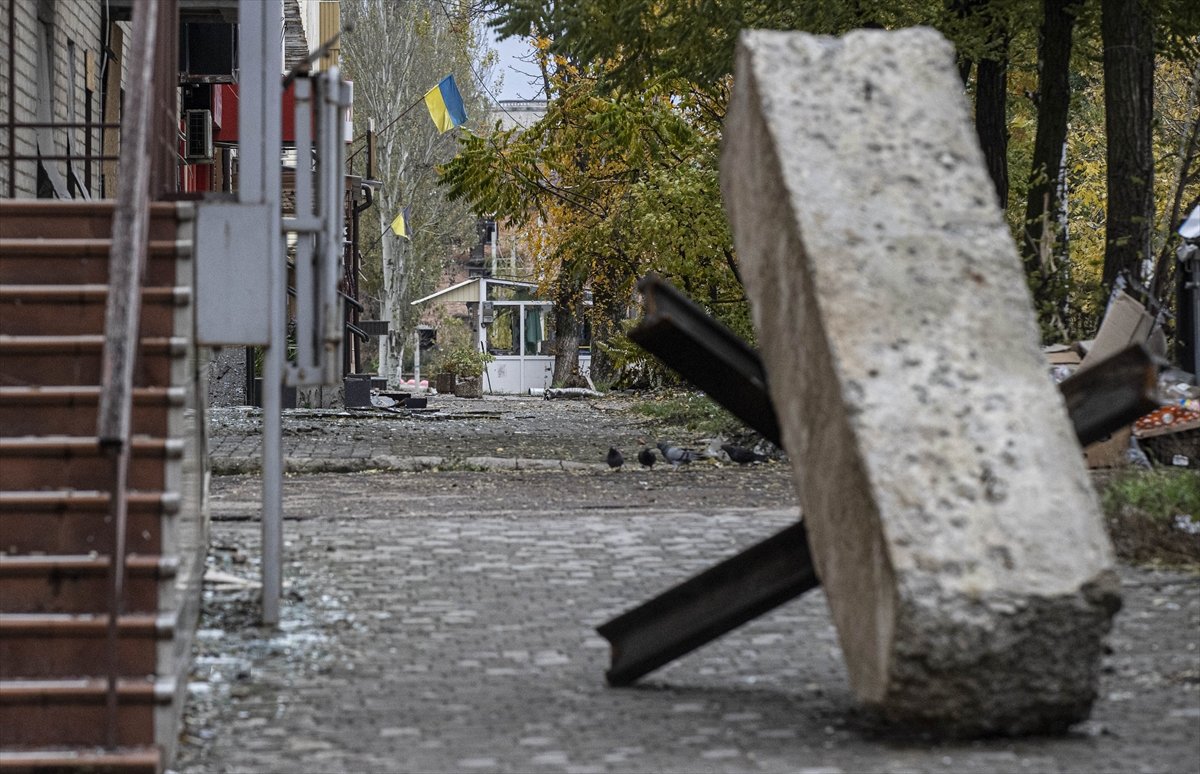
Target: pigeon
[
  {"x": 675, "y": 455},
  {"x": 647, "y": 457},
  {"x": 741, "y": 455},
  {"x": 614, "y": 458}
]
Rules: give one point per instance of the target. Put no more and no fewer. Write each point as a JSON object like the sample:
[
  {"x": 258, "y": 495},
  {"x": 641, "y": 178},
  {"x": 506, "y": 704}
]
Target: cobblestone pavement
[
  {"x": 443, "y": 621},
  {"x": 451, "y": 432}
]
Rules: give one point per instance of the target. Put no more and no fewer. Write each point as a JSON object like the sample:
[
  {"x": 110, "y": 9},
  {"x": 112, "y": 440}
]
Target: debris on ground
[{"x": 1167, "y": 436}]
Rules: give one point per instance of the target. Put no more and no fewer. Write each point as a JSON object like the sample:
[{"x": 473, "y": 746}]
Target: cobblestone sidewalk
[{"x": 443, "y": 622}]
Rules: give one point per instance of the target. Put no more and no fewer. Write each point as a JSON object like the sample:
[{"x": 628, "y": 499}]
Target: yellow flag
[{"x": 400, "y": 224}]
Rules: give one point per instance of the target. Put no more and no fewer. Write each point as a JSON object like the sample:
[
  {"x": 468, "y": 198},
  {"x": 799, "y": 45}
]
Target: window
[
  {"x": 504, "y": 334},
  {"x": 585, "y": 334},
  {"x": 508, "y": 293},
  {"x": 537, "y": 321}
]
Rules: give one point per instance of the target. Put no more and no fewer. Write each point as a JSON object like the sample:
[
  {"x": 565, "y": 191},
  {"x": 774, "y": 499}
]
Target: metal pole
[
  {"x": 261, "y": 144},
  {"x": 331, "y": 178},
  {"x": 272, "y": 66},
  {"x": 417, "y": 357},
  {"x": 1189, "y": 311},
  {"x": 495, "y": 246},
  {"x": 306, "y": 308}
]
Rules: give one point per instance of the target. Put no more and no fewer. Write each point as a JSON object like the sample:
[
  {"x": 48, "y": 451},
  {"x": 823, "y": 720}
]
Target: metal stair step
[
  {"x": 25, "y": 218},
  {"x": 122, "y": 760},
  {"x": 76, "y": 522},
  {"x": 56, "y": 645},
  {"x": 73, "y": 712},
  {"x": 70, "y": 500},
  {"x": 72, "y": 269},
  {"x": 76, "y": 360},
  {"x": 70, "y": 462},
  {"x": 84, "y": 564},
  {"x": 83, "y": 446},
  {"x": 79, "y": 309},
  {"x": 41, "y": 261},
  {"x": 79, "y": 583},
  {"x": 61, "y": 410},
  {"x": 43, "y": 247}
]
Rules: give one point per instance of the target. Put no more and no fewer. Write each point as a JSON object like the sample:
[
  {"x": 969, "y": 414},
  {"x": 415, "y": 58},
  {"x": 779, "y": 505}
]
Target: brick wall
[{"x": 77, "y": 23}]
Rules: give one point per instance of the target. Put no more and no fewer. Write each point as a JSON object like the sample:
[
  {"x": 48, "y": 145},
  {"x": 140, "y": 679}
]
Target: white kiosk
[{"x": 511, "y": 322}]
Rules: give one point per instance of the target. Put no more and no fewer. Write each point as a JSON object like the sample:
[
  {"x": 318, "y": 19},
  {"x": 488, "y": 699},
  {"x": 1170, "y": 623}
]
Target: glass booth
[{"x": 516, "y": 327}]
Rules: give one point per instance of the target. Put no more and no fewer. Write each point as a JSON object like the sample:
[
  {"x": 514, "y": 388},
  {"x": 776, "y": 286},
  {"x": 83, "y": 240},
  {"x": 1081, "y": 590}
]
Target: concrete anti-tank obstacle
[{"x": 952, "y": 521}]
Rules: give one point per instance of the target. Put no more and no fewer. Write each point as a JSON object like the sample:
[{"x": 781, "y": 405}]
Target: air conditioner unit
[{"x": 198, "y": 135}]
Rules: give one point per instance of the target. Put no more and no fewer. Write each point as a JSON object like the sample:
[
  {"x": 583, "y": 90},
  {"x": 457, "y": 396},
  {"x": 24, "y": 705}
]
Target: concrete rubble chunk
[{"x": 952, "y": 521}]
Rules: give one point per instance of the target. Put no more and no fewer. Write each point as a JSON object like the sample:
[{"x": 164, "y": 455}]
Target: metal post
[
  {"x": 520, "y": 345},
  {"x": 495, "y": 246},
  {"x": 417, "y": 357},
  {"x": 306, "y": 308},
  {"x": 261, "y": 143},
  {"x": 334, "y": 96},
  {"x": 1188, "y": 306},
  {"x": 1187, "y": 281}
]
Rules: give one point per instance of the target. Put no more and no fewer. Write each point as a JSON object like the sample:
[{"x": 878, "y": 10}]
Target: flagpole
[{"x": 382, "y": 234}]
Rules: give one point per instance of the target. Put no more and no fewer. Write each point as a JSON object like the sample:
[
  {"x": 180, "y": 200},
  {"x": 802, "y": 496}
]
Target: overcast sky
[{"x": 517, "y": 74}]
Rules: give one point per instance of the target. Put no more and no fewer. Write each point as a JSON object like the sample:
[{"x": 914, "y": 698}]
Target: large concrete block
[{"x": 952, "y": 521}]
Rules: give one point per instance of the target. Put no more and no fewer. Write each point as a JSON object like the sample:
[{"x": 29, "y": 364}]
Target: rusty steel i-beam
[
  {"x": 780, "y": 568},
  {"x": 706, "y": 353},
  {"x": 1112, "y": 394}
]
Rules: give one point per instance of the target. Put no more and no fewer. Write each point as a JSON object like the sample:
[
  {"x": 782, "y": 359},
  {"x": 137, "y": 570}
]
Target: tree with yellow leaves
[{"x": 609, "y": 185}]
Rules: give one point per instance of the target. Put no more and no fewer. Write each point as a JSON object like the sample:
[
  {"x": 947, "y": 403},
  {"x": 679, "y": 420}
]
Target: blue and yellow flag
[
  {"x": 400, "y": 224},
  {"x": 445, "y": 105}
]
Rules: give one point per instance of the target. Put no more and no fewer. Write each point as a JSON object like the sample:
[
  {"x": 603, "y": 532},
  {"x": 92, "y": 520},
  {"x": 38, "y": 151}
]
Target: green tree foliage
[
  {"x": 611, "y": 184},
  {"x": 1034, "y": 68}
]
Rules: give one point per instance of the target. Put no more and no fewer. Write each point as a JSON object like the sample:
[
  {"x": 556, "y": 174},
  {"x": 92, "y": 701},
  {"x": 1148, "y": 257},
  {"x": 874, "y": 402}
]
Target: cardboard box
[
  {"x": 1126, "y": 322},
  {"x": 1061, "y": 354},
  {"x": 1109, "y": 452}
]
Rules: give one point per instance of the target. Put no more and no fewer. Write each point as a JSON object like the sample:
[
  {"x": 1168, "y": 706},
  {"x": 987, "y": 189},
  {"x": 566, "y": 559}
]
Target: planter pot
[
  {"x": 469, "y": 388},
  {"x": 444, "y": 383},
  {"x": 357, "y": 391}
]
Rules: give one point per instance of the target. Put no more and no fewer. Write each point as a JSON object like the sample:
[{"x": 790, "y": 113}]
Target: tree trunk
[
  {"x": 1128, "y": 36},
  {"x": 1046, "y": 258},
  {"x": 991, "y": 116},
  {"x": 566, "y": 339}
]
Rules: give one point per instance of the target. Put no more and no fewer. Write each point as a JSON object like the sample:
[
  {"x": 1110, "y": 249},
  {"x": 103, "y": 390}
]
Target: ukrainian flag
[
  {"x": 445, "y": 105},
  {"x": 400, "y": 224}
]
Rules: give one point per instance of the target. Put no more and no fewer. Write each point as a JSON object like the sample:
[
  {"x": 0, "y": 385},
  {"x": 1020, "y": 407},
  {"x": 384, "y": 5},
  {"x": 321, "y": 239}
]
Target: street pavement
[{"x": 443, "y": 621}]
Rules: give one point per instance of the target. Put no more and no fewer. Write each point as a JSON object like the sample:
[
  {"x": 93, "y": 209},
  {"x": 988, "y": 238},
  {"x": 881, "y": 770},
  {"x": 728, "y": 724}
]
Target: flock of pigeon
[{"x": 677, "y": 456}]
